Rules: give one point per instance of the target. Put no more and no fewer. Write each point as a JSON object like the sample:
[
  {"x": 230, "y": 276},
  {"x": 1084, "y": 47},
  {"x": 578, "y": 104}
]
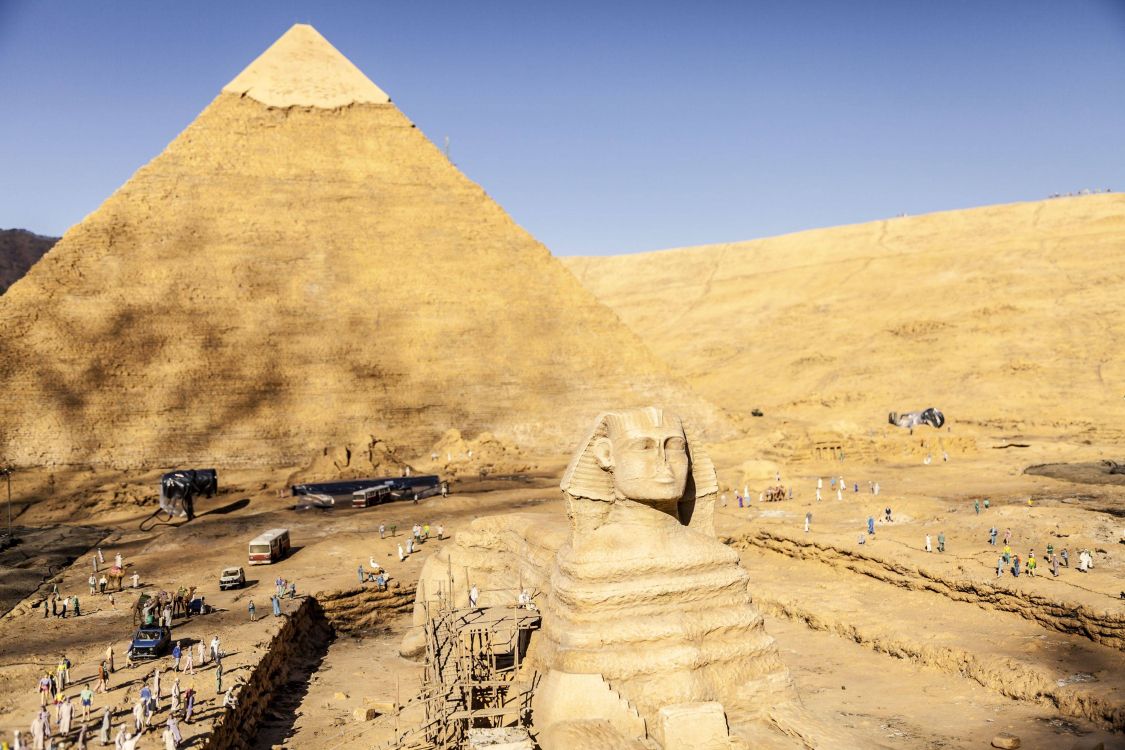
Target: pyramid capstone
[{"x": 302, "y": 69}]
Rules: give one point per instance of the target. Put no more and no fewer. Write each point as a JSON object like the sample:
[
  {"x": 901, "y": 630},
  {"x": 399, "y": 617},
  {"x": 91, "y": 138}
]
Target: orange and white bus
[
  {"x": 380, "y": 493},
  {"x": 269, "y": 547}
]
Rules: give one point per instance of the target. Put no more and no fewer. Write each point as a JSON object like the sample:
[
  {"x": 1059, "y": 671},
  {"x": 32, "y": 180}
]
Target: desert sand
[{"x": 302, "y": 287}]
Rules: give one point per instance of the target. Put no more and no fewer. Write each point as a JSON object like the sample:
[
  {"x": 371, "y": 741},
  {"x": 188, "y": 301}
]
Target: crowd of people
[{"x": 419, "y": 535}]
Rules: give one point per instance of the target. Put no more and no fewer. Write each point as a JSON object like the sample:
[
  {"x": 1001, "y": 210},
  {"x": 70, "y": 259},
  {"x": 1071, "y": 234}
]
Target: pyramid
[{"x": 301, "y": 268}]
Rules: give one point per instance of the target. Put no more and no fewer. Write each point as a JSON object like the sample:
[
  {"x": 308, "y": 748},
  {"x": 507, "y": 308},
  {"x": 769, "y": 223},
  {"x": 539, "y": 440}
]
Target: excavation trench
[
  {"x": 1073, "y": 618},
  {"x": 258, "y": 718},
  {"x": 873, "y": 625}
]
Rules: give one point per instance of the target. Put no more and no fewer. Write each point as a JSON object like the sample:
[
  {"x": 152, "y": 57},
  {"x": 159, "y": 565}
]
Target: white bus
[
  {"x": 269, "y": 547},
  {"x": 380, "y": 493}
]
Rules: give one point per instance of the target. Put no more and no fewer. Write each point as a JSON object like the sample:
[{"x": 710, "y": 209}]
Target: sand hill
[
  {"x": 302, "y": 268},
  {"x": 1008, "y": 317},
  {"x": 19, "y": 249}
]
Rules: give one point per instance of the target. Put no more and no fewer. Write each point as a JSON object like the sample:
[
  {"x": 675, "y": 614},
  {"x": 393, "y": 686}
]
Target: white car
[{"x": 232, "y": 578}]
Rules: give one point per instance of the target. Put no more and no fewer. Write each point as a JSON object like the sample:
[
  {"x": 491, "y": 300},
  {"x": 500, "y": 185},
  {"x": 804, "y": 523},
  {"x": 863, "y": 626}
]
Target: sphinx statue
[
  {"x": 649, "y": 637},
  {"x": 642, "y": 593}
]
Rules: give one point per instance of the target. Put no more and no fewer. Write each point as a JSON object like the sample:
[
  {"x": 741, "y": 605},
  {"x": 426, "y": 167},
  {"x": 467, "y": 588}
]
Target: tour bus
[
  {"x": 371, "y": 496},
  {"x": 269, "y": 547}
]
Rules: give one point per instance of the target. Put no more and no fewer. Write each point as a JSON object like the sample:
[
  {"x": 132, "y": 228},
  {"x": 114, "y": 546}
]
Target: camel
[{"x": 115, "y": 574}]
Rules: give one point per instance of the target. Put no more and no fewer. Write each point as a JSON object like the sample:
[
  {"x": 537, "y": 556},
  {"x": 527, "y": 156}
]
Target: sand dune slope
[{"x": 1008, "y": 316}]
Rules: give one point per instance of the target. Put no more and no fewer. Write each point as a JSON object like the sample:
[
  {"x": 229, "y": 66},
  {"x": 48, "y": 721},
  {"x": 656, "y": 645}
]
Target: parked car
[
  {"x": 232, "y": 578},
  {"x": 151, "y": 641}
]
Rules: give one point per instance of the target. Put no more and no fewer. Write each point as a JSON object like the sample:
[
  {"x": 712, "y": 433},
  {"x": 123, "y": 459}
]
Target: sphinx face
[{"x": 649, "y": 461}]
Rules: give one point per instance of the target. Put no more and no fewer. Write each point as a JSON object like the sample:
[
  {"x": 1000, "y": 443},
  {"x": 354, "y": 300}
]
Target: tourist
[
  {"x": 189, "y": 662},
  {"x": 44, "y": 688},
  {"x": 250, "y": 608},
  {"x": 992, "y": 536},
  {"x": 107, "y": 725},
  {"x": 214, "y": 649},
  {"x": 401, "y": 554},
  {"x": 174, "y": 728},
  {"x": 441, "y": 531},
  {"x": 359, "y": 574},
  {"x": 94, "y": 560},
  {"x": 1007, "y": 537},
  {"x": 381, "y": 581},
  {"x": 808, "y": 520},
  {"x": 382, "y": 531},
  {"x": 102, "y": 684},
  {"x": 474, "y": 593},
  {"x": 66, "y": 714},
  {"x": 1007, "y": 554},
  {"x": 817, "y": 497},
  {"x": 218, "y": 677},
  {"x": 394, "y": 529},
  {"x": 189, "y": 704},
  {"x": 93, "y": 581},
  {"x": 1016, "y": 566},
  {"x": 929, "y": 548},
  {"x": 876, "y": 489},
  {"x": 1055, "y": 565},
  {"x": 941, "y": 541},
  {"x": 102, "y": 582},
  {"x": 887, "y": 512},
  {"x": 276, "y": 606},
  {"x": 177, "y": 653},
  {"x": 871, "y": 524},
  {"x": 136, "y": 580},
  {"x": 840, "y": 492},
  {"x": 999, "y": 566},
  {"x": 986, "y": 503},
  {"x": 1065, "y": 558},
  {"x": 1031, "y": 563},
  {"x": 292, "y": 589},
  {"x": 169, "y": 741},
  {"x": 86, "y": 696},
  {"x": 976, "y": 507}
]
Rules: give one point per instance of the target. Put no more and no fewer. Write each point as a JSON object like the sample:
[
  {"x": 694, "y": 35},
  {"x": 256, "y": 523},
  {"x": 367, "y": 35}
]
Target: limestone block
[
  {"x": 694, "y": 726},
  {"x": 382, "y": 707},
  {"x": 1006, "y": 741},
  {"x": 366, "y": 713},
  {"x": 564, "y": 696},
  {"x": 340, "y": 696}
]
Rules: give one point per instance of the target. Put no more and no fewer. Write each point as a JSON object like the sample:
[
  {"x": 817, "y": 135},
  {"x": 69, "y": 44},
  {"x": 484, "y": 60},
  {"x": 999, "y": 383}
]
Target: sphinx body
[{"x": 648, "y": 625}]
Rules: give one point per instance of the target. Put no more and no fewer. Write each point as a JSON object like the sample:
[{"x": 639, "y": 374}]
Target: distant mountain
[{"x": 19, "y": 249}]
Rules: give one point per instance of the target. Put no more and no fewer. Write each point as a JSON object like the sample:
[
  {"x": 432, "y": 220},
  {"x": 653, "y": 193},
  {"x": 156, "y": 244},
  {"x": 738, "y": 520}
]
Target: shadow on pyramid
[{"x": 301, "y": 267}]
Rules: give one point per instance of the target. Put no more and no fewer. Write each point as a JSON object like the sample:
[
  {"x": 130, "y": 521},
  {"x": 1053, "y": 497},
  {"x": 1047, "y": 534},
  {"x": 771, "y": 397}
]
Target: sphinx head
[{"x": 646, "y": 453}]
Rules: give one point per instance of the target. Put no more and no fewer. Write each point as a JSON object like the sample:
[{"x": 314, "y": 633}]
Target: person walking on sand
[
  {"x": 382, "y": 531},
  {"x": 1055, "y": 565},
  {"x": 218, "y": 677},
  {"x": 817, "y": 497},
  {"x": 808, "y": 520},
  {"x": 440, "y": 532},
  {"x": 1007, "y": 537},
  {"x": 976, "y": 507},
  {"x": 276, "y": 606},
  {"x": 474, "y": 594},
  {"x": 93, "y": 581},
  {"x": 401, "y": 554},
  {"x": 359, "y": 574},
  {"x": 992, "y": 536},
  {"x": 102, "y": 583},
  {"x": 202, "y": 654},
  {"x": 107, "y": 725},
  {"x": 928, "y": 547},
  {"x": 177, "y": 654},
  {"x": 250, "y": 608},
  {"x": 1016, "y": 566},
  {"x": 136, "y": 580},
  {"x": 86, "y": 696},
  {"x": 941, "y": 541},
  {"x": 189, "y": 662},
  {"x": 871, "y": 525},
  {"x": 839, "y": 493},
  {"x": 999, "y": 566}
]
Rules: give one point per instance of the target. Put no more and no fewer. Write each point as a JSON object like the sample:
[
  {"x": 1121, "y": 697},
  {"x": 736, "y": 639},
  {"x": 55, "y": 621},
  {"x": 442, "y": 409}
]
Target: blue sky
[{"x": 608, "y": 127}]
